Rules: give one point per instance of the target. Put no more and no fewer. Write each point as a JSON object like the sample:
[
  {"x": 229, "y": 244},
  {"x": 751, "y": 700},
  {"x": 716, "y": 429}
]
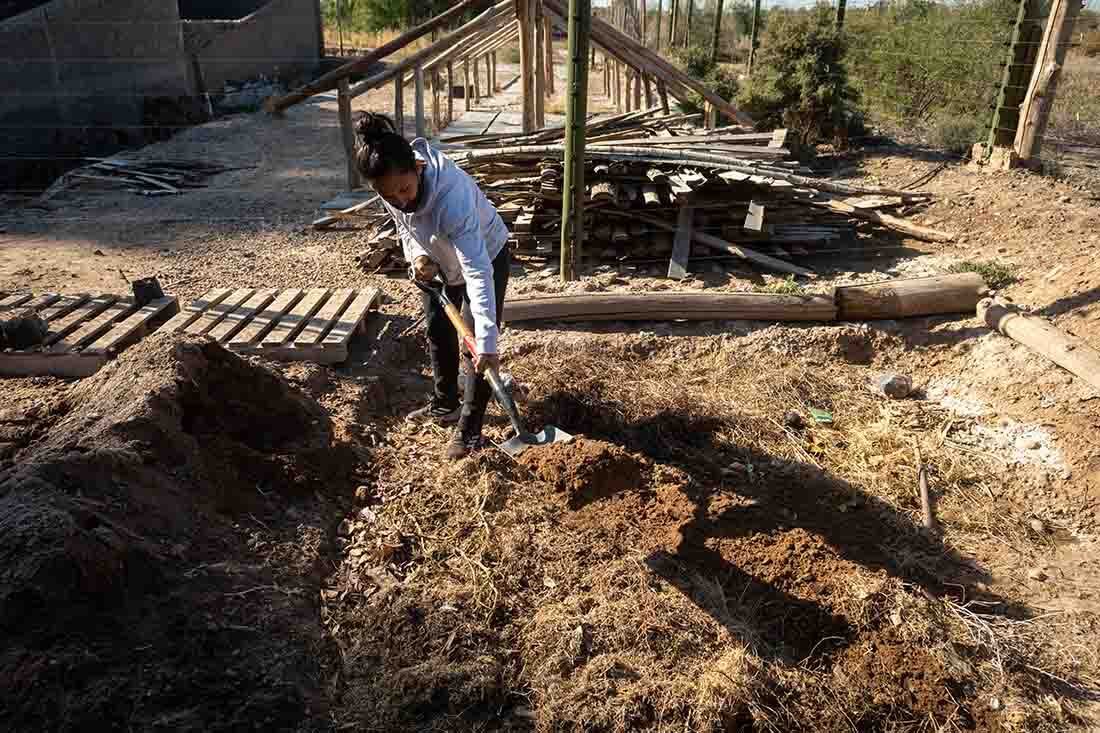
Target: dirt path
[{"x": 750, "y": 570}]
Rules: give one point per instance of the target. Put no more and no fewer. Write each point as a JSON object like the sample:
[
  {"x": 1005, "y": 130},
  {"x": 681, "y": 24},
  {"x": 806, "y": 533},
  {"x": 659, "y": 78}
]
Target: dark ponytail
[{"x": 379, "y": 149}]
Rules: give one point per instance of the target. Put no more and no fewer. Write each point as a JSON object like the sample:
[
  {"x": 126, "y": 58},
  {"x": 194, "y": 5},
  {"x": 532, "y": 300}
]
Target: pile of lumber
[
  {"x": 658, "y": 188},
  {"x": 148, "y": 177}
]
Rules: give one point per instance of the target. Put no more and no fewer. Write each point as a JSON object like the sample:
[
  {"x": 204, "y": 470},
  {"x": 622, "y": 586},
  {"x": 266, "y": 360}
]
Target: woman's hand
[
  {"x": 484, "y": 361},
  {"x": 424, "y": 269}
]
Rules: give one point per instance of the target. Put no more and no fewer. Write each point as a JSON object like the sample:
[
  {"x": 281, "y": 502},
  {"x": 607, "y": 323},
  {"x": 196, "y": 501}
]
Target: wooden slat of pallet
[
  {"x": 213, "y": 315},
  {"x": 349, "y": 320},
  {"x": 318, "y": 326},
  {"x": 87, "y": 312},
  {"x": 14, "y": 300},
  {"x": 242, "y": 315},
  {"x": 258, "y": 327},
  {"x": 93, "y": 329},
  {"x": 129, "y": 328},
  {"x": 42, "y": 301},
  {"x": 289, "y": 325},
  {"x": 195, "y": 309},
  {"x": 66, "y": 305},
  {"x": 57, "y": 365}
]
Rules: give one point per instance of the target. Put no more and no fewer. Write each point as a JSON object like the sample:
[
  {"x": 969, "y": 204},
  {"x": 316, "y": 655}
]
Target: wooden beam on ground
[
  {"x": 667, "y": 306},
  {"x": 1042, "y": 337},
  {"x": 890, "y": 222},
  {"x": 328, "y": 81},
  {"x": 921, "y": 296}
]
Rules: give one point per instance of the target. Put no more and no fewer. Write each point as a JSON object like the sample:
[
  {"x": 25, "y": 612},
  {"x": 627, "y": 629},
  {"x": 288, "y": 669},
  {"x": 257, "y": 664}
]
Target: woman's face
[{"x": 400, "y": 190}]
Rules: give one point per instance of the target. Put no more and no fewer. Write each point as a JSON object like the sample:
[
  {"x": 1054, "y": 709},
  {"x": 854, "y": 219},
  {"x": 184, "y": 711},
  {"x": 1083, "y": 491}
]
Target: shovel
[{"x": 523, "y": 439}]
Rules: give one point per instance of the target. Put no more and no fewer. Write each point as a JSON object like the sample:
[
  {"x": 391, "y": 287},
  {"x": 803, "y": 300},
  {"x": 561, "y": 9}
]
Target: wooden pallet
[
  {"x": 289, "y": 325},
  {"x": 85, "y": 331}
]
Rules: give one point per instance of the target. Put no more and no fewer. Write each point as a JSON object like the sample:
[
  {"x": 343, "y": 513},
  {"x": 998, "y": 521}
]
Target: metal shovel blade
[{"x": 550, "y": 434}]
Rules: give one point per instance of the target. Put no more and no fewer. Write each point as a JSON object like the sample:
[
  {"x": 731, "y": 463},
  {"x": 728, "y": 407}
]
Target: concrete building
[{"x": 83, "y": 77}]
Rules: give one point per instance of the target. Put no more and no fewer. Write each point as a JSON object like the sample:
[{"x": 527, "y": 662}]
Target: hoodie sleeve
[{"x": 459, "y": 222}]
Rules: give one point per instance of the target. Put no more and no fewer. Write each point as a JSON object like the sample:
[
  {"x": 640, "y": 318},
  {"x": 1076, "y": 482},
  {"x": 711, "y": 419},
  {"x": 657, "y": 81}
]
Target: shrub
[
  {"x": 957, "y": 134},
  {"x": 722, "y": 80},
  {"x": 695, "y": 60},
  {"x": 780, "y": 286},
  {"x": 798, "y": 75}
]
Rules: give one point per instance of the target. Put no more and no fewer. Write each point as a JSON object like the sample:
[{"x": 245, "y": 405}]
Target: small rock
[
  {"x": 1037, "y": 574},
  {"x": 895, "y": 386},
  {"x": 362, "y": 493},
  {"x": 1066, "y": 199},
  {"x": 793, "y": 420},
  {"x": 99, "y": 253},
  {"x": 995, "y": 704},
  {"x": 1038, "y": 526}
]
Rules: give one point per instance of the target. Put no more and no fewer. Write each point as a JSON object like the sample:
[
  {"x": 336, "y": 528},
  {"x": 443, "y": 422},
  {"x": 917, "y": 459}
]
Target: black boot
[{"x": 466, "y": 437}]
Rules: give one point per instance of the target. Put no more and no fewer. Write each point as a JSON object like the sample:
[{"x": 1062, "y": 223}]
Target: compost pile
[{"x": 163, "y": 532}]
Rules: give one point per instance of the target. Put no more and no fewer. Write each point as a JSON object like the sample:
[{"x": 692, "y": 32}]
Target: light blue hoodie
[{"x": 460, "y": 230}]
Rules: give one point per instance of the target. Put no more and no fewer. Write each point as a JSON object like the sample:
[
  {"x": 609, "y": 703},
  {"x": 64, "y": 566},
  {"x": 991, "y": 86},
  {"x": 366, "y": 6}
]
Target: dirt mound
[
  {"x": 161, "y": 544},
  {"x": 587, "y": 470}
]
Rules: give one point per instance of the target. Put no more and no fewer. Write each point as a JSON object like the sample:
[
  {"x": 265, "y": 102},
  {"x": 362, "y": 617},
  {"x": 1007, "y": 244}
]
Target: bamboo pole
[
  {"x": 576, "y": 87},
  {"x": 325, "y": 82}
]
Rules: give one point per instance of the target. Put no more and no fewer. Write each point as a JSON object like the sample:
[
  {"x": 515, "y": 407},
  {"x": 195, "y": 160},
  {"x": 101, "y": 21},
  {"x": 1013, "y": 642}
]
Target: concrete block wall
[
  {"x": 281, "y": 39},
  {"x": 77, "y": 74}
]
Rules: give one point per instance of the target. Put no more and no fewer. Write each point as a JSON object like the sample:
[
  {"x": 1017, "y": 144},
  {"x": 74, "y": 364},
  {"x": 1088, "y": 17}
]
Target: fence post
[
  {"x": 399, "y": 103},
  {"x": 466, "y": 86},
  {"x": 450, "y": 92},
  {"x": 493, "y": 81},
  {"x": 525, "y": 10},
  {"x": 548, "y": 44},
  {"x": 540, "y": 67},
  {"x": 1044, "y": 80},
  {"x": 662, "y": 92},
  {"x": 687, "y": 26},
  {"x": 673, "y": 10},
  {"x": 753, "y": 32},
  {"x": 840, "y": 7},
  {"x": 660, "y": 12},
  {"x": 418, "y": 76},
  {"x": 1022, "y": 53},
  {"x": 642, "y": 4},
  {"x": 343, "y": 103},
  {"x": 576, "y": 88},
  {"x": 718, "y": 31}
]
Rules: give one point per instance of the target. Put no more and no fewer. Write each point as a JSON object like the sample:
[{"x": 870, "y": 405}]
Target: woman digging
[{"x": 447, "y": 227}]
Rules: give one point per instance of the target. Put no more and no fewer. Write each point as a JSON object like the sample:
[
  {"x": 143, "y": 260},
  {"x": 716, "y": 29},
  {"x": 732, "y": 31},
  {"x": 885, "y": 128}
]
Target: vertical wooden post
[
  {"x": 619, "y": 86},
  {"x": 662, "y": 92},
  {"x": 649, "y": 99},
  {"x": 450, "y": 92},
  {"x": 1035, "y": 109},
  {"x": 490, "y": 89},
  {"x": 418, "y": 78},
  {"x": 841, "y": 5},
  {"x": 525, "y": 10},
  {"x": 466, "y": 86},
  {"x": 437, "y": 115},
  {"x": 576, "y": 87},
  {"x": 644, "y": 11},
  {"x": 753, "y": 33},
  {"x": 606, "y": 77},
  {"x": 629, "y": 74},
  {"x": 493, "y": 81},
  {"x": 548, "y": 46},
  {"x": 673, "y": 23},
  {"x": 347, "y": 132},
  {"x": 718, "y": 31},
  {"x": 399, "y": 103},
  {"x": 660, "y": 11},
  {"x": 687, "y": 26},
  {"x": 540, "y": 68},
  {"x": 477, "y": 79},
  {"x": 637, "y": 89},
  {"x": 710, "y": 116}
]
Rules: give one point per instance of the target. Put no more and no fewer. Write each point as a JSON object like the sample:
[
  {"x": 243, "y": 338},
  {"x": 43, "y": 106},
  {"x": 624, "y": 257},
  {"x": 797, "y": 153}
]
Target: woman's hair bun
[{"x": 372, "y": 126}]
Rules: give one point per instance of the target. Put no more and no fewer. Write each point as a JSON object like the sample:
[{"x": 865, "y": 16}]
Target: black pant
[{"x": 444, "y": 349}]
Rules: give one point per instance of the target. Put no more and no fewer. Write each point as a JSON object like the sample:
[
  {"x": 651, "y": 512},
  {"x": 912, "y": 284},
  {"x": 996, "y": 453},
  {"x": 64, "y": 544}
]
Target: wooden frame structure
[{"x": 473, "y": 44}]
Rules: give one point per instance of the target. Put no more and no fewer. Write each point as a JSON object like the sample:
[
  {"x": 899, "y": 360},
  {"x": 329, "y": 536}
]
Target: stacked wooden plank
[
  {"x": 660, "y": 188},
  {"x": 85, "y": 330}
]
